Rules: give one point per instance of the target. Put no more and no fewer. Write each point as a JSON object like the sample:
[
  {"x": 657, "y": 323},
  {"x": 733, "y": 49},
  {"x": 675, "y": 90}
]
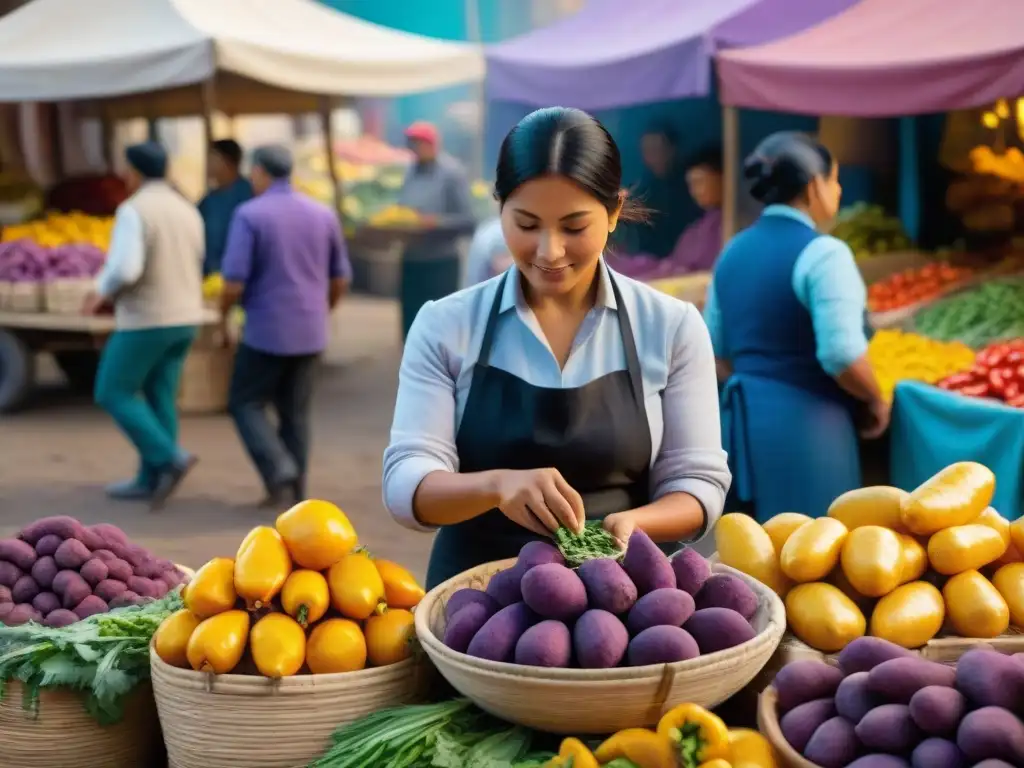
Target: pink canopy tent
[{"x": 883, "y": 58}]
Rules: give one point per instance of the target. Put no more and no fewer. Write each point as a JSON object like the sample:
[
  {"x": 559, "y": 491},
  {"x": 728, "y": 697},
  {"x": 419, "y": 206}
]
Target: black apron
[{"x": 597, "y": 436}]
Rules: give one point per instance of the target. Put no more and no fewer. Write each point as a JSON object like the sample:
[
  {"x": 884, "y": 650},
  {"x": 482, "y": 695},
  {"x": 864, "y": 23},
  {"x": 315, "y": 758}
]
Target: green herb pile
[
  {"x": 104, "y": 656},
  {"x": 990, "y": 312},
  {"x": 449, "y": 734},
  {"x": 592, "y": 542}
]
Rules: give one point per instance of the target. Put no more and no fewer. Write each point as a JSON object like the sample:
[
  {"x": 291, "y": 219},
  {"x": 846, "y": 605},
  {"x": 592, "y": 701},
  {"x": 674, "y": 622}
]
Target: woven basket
[
  {"x": 61, "y": 734},
  {"x": 229, "y": 721},
  {"x": 24, "y": 297},
  {"x": 5, "y": 291},
  {"x": 768, "y": 725},
  {"x": 66, "y": 297},
  {"x": 595, "y": 701}
]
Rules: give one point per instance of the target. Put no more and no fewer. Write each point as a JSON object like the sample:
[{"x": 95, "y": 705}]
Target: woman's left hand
[{"x": 620, "y": 525}]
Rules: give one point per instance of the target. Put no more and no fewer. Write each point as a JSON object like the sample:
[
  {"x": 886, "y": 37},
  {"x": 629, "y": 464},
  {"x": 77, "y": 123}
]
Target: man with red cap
[{"x": 437, "y": 188}]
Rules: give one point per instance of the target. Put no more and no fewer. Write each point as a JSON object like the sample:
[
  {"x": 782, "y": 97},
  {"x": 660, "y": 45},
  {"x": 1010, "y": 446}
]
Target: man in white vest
[{"x": 153, "y": 280}]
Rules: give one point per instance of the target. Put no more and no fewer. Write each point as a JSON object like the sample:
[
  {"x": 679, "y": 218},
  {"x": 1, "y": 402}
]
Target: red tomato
[
  {"x": 997, "y": 382},
  {"x": 1012, "y": 390},
  {"x": 981, "y": 389}
]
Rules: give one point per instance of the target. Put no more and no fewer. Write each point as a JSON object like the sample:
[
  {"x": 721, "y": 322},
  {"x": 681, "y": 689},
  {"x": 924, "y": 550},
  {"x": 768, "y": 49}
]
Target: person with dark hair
[
  {"x": 786, "y": 311},
  {"x": 663, "y": 192},
  {"x": 229, "y": 190},
  {"x": 557, "y": 391},
  {"x": 286, "y": 264},
  {"x": 153, "y": 279}
]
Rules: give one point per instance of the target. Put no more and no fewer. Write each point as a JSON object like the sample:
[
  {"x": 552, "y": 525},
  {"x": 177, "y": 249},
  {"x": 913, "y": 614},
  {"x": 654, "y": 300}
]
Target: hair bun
[{"x": 783, "y": 165}]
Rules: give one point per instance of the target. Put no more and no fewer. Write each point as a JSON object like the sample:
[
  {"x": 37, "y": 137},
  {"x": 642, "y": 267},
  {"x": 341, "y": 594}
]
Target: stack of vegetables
[
  {"x": 580, "y": 606},
  {"x": 300, "y": 597},
  {"x": 58, "y": 229},
  {"x": 58, "y": 571},
  {"x": 883, "y": 707},
  {"x": 869, "y": 231},
  {"x": 60, "y": 246},
  {"x": 912, "y": 286},
  {"x": 687, "y": 736},
  {"x": 997, "y": 373},
  {"x": 900, "y": 356},
  {"x": 989, "y": 312},
  {"x": 908, "y": 562}
]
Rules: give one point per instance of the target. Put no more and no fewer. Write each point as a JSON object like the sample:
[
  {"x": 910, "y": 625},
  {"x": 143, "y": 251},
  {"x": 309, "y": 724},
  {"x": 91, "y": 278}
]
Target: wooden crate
[{"x": 205, "y": 380}]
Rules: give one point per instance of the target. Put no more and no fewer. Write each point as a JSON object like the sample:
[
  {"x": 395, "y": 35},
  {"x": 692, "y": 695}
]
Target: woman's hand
[
  {"x": 539, "y": 500},
  {"x": 620, "y": 525},
  {"x": 879, "y": 413}
]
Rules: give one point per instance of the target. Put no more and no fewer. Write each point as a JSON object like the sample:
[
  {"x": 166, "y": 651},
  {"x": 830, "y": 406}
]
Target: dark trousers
[{"x": 284, "y": 383}]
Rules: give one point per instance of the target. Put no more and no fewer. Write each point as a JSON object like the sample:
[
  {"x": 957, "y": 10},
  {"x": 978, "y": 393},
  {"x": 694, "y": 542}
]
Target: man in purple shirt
[{"x": 285, "y": 262}]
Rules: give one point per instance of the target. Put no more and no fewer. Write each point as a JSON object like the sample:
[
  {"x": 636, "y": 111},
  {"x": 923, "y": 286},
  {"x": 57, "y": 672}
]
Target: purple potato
[
  {"x": 938, "y": 710},
  {"x": 73, "y": 589},
  {"x": 5, "y": 594},
  {"x": 91, "y": 539},
  {"x": 61, "y": 617},
  {"x": 105, "y": 555},
  {"x": 663, "y": 607},
  {"x": 94, "y": 571},
  {"x": 692, "y": 570},
  {"x": 833, "y": 745},
  {"x": 800, "y": 723},
  {"x": 497, "y": 638},
  {"x": 889, "y": 728},
  {"x": 24, "y": 590},
  {"x": 464, "y": 625},
  {"x": 993, "y": 764},
  {"x": 143, "y": 586},
  {"x": 5, "y": 608},
  {"x": 108, "y": 589},
  {"x": 897, "y": 680},
  {"x": 717, "y": 629},
  {"x": 59, "y": 525},
  {"x": 805, "y": 680},
  {"x": 854, "y": 699},
  {"x": 879, "y": 761},
  {"x": 119, "y": 569},
  {"x": 72, "y": 554},
  {"x": 536, "y": 553},
  {"x": 936, "y": 753},
  {"x": 647, "y": 566},
  {"x": 9, "y": 574},
  {"x": 22, "y": 613},
  {"x": 44, "y": 571},
  {"x": 600, "y": 640},
  {"x": 110, "y": 534},
  {"x": 990, "y": 679},
  {"x": 46, "y": 603},
  {"x": 150, "y": 569},
  {"x": 89, "y": 606},
  {"x": 48, "y": 544},
  {"x": 460, "y": 598},
  {"x": 865, "y": 653},
  {"x": 547, "y": 644},
  {"x": 661, "y": 645},
  {"x": 17, "y": 552},
  {"x": 723, "y": 590},
  {"x": 125, "y": 599},
  {"x": 608, "y": 585},
  {"x": 553, "y": 591},
  {"x": 991, "y": 733},
  {"x": 128, "y": 553},
  {"x": 505, "y": 587}
]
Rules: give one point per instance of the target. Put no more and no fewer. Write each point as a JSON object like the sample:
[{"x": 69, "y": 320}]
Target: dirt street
[{"x": 56, "y": 457}]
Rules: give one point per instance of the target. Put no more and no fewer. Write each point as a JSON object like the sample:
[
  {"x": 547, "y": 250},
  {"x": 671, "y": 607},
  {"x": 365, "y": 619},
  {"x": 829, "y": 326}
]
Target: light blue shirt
[
  {"x": 126, "y": 255},
  {"x": 827, "y": 282},
  {"x": 488, "y": 246},
  {"x": 677, "y": 366}
]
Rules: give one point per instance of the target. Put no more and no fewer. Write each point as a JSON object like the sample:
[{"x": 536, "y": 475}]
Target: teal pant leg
[
  {"x": 130, "y": 359},
  {"x": 161, "y": 386}
]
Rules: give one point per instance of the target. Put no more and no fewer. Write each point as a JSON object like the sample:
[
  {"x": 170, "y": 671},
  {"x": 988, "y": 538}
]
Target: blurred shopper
[
  {"x": 286, "y": 264},
  {"x": 229, "y": 190},
  {"x": 488, "y": 253},
  {"x": 153, "y": 279}
]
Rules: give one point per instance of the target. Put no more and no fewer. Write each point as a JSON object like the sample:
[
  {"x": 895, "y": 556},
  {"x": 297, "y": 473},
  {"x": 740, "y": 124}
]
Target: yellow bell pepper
[
  {"x": 574, "y": 753},
  {"x": 696, "y": 735},
  {"x": 749, "y": 749},
  {"x": 716, "y": 763},
  {"x": 643, "y": 748}
]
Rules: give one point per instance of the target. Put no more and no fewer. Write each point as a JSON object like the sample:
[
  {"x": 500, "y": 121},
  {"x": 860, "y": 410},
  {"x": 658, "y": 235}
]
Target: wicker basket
[
  {"x": 66, "y": 297},
  {"x": 577, "y": 700},
  {"x": 25, "y": 297},
  {"x": 229, "y": 721},
  {"x": 768, "y": 725},
  {"x": 61, "y": 734},
  {"x": 5, "y": 291}
]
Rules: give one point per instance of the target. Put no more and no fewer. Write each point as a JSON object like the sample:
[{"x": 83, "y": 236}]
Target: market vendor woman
[
  {"x": 786, "y": 311},
  {"x": 557, "y": 391}
]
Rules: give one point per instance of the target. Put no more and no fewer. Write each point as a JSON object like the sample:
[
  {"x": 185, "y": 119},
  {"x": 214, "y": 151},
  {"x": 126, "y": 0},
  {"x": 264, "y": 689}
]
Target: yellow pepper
[
  {"x": 696, "y": 735},
  {"x": 749, "y": 749},
  {"x": 896, "y": 356},
  {"x": 716, "y": 763},
  {"x": 574, "y": 753},
  {"x": 643, "y": 748}
]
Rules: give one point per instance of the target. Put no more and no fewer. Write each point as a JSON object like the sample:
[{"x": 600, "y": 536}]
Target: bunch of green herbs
[
  {"x": 590, "y": 543},
  {"x": 103, "y": 656}
]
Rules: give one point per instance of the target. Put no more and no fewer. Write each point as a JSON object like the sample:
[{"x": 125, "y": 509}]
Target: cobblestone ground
[{"x": 56, "y": 457}]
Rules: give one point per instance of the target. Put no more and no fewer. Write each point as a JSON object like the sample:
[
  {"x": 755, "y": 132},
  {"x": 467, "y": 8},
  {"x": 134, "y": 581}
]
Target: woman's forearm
[
  {"x": 446, "y": 498},
  {"x": 673, "y": 517},
  {"x": 859, "y": 380}
]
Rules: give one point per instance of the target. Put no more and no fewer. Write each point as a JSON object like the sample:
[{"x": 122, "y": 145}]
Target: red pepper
[
  {"x": 975, "y": 390},
  {"x": 1012, "y": 391},
  {"x": 1015, "y": 357},
  {"x": 996, "y": 382},
  {"x": 957, "y": 380},
  {"x": 1017, "y": 402}
]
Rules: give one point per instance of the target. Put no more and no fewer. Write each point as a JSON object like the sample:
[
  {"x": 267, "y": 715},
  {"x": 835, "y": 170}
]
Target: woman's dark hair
[
  {"x": 783, "y": 165},
  {"x": 570, "y": 143}
]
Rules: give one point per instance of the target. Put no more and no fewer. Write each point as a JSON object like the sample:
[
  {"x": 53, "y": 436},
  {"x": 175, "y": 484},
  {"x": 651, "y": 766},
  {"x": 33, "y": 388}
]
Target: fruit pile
[
  {"x": 997, "y": 373},
  {"x": 909, "y": 562},
  {"x": 647, "y": 609},
  {"x": 394, "y": 216},
  {"x": 912, "y": 286},
  {"x": 305, "y": 576},
  {"x": 899, "y": 356},
  {"x": 57, "y": 571},
  {"x": 58, "y": 229},
  {"x": 884, "y": 707},
  {"x": 869, "y": 231}
]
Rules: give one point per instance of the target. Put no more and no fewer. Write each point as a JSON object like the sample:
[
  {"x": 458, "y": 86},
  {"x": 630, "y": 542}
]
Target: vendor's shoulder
[{"x": 831, "y": 245}]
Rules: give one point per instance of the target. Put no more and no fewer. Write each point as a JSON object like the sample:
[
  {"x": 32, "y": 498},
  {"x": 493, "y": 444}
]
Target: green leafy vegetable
[
  {"x": 104, "y": 656},
  {"x": 591, "y": 543}
]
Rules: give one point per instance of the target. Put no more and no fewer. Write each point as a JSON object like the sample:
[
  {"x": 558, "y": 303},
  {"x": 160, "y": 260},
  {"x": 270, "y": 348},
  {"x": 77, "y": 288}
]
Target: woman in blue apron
[
  {"x": 557, "y": 391},
  {"x": 786, "y": 313}
]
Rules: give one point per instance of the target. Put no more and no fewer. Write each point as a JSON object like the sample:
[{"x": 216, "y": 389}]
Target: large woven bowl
[
  {"x": 228, "y": 721},
  {"x": 595, "y": 701},
  {"x": 768, "y": 725}
]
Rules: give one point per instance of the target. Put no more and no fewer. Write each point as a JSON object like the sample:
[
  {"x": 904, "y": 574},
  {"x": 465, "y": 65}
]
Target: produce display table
[{"x": 932, "y": 428}]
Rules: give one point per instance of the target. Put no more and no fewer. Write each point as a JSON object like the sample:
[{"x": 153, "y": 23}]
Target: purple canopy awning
[{"x": 613, "y": 54}]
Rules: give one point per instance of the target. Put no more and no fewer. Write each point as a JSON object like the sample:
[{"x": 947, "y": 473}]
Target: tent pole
[
  {"x": 730, "y": 169},
  {"x": 56, "y": 141},
  {"x": 327, "y": 127},
  {"x": 208, "y": 96},
  {"x": 107, "y": 140}
]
